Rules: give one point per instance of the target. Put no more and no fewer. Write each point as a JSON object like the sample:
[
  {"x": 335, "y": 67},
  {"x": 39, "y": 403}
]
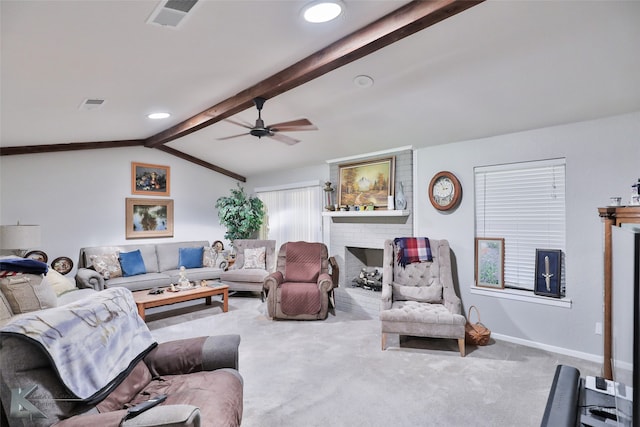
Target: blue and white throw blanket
[{"x": 93, "y": 343}]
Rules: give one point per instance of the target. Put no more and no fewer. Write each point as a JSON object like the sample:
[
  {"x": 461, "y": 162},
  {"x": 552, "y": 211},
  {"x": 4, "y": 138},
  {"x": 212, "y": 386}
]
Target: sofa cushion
[
  {"x": 242, "y": 275},
  {"x": 5, "y": 310},
  {"x": 254, "y": 258},
  {"x": 132, "y": 263},
  {"x": 141, "y": 281},
  {"x": 59, "y": 283},
  {"x": 195, "y": 274},
  {"x": 190, "y": 257},
  {"x": 27, "y": 292},
  {"x": 108, "y": 265}
]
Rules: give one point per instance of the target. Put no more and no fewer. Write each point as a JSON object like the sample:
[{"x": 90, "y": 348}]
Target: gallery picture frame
[
  {"x": 148, "y": 218},
  {"x": 367, "y": 182},
  {"x": 548, "y": 273},
  {"x": 489, "y": 262},
  {"x": 150, "y": 180}
]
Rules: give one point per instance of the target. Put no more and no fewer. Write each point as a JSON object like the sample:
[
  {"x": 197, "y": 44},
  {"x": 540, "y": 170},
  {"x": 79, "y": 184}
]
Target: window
[
  {"x": 292, "y": 213},
  {"x": 524, "y": 203}
]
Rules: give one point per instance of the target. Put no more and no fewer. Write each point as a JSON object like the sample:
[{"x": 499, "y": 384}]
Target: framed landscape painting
[
  {"x": 150, "y": 180},
  {"x": 490, "y": 262},
  {"x": 149, "y": 218},
  {"x": 366, "y": 183}
]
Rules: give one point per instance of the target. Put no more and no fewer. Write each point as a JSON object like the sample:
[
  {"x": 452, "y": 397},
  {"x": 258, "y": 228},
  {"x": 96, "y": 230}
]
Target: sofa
[
  {"x": 85, "y": 363},
  {"x": 255, "y": 260},
  {"x": 100, "y": 267},
  {"x": 25, "y": 292}
]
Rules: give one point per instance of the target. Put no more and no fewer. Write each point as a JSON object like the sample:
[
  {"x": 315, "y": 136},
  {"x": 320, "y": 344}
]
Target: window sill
[{"x": 517, "y": 295}]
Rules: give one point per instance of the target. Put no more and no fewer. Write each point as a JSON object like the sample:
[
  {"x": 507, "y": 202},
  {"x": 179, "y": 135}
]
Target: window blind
[
  {"x": 525, "y": 204},
  {"x": 292, "y": 214}
]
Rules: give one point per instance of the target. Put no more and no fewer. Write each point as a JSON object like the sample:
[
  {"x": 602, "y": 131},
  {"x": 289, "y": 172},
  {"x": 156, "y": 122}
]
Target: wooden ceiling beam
[
  {"x": 202, "y": 163},
  {"x": 403, "y": 22},
  {"x": 71, "y": 146}
]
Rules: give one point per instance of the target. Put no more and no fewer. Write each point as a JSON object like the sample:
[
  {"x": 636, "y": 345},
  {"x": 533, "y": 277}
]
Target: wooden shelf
[{"x": 364, "y": 214}]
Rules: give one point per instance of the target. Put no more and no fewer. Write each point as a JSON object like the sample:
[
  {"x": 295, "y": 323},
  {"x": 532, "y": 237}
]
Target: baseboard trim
[{"x": 560, "y": 350}]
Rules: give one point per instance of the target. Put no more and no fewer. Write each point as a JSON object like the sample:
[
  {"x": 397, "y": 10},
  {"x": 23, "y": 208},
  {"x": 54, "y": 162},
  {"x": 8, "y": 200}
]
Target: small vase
[{"x": 401, "y": 200}]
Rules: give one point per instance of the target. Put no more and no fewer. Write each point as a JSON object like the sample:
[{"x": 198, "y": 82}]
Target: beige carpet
[{"x": 333, "y": 373}]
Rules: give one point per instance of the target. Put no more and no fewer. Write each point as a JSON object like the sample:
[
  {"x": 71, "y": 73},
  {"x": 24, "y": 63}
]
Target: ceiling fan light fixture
[
  {"x": 158, "y": 116},
  {"x": 322, "y": 11}
]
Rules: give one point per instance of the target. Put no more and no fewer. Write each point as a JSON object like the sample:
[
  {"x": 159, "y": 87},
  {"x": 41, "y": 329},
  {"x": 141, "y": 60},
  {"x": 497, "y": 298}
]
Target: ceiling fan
[{"x": 272, "y": 131}]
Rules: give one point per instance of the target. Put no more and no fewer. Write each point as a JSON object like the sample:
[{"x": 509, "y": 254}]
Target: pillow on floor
[
  {"x": 107, "y": 265},
  {"x": 190, "y": 257},
  {"x": 132, "y": 263},
  {"x": 28, "y": 292},
  {"x": 255, "y": 258}
]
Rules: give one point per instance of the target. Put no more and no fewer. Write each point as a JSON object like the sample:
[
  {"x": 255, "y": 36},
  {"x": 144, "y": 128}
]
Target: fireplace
[
  {"x": 363, "y": 268},
  {"x": 356, "y": 239}
]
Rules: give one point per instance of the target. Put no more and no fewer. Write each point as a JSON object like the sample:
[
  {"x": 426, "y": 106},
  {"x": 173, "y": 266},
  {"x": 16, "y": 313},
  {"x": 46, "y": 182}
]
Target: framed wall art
[
  {"x": 366, "y": 183},
  {"x": 150, "y": 180},
  {"x": 548, "y": 271},
  {"x": 489, "y": 262},
  {"x": 149, "y": 218}
]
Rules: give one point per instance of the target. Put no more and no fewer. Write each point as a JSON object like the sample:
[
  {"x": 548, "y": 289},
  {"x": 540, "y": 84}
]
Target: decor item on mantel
[
  {"x": 328, "y": 191},
  {"x": 241, "y": 214},
  {"x": 401, "y": 200}
]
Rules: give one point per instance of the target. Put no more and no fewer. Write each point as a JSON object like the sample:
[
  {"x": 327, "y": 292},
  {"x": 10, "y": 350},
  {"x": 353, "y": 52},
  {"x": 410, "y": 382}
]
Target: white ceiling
[{"x": 499, "y": 67}]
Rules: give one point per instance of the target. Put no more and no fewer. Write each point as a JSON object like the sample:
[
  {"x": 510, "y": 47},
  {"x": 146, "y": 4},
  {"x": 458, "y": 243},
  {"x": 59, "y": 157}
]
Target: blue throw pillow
[
  {"x": 190, "y": 257},
  {"x": 132, "y": 263}
]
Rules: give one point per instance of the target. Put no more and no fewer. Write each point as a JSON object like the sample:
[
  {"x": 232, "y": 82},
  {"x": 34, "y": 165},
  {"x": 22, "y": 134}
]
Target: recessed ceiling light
[
  {"x": 157, "y": 116},
  {"x": 322, "y": 11}
]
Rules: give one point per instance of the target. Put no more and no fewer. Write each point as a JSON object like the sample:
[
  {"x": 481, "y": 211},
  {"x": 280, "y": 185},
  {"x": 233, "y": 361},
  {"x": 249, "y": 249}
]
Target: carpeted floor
[{"x": 333, "y": 372}]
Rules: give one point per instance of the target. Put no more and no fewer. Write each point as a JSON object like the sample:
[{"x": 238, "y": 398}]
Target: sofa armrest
[
  {"x": 169, "y": 415},
  {"x": 88, "y": 278},
  {"x": 272, "y": 281},
  {"x": 194, "y": 355},
  {"x": 386, "y": 296},
  {"x": 325, "y": 282}
]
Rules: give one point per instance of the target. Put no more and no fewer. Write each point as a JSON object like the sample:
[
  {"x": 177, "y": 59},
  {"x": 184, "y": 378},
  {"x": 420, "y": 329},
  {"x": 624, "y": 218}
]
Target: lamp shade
[{"x": 19, "y": 236}]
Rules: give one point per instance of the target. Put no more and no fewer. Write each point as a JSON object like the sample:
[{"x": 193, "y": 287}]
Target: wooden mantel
[{"x": 612, "y": 216}]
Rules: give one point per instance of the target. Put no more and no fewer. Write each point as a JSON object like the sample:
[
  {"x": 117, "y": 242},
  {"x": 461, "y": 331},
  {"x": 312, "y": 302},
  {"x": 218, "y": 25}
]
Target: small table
[{"x": 144, "y": 300}]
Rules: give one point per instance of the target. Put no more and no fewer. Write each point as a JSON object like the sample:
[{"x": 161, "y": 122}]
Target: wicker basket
[{"x": 476, "y": 333}]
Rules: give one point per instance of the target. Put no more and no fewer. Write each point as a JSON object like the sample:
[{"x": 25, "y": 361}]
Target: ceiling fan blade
[
  {"x": 232, "y": 136},
  {"x": 284, "y": 138},
  {"x": 243, "y": 124},
  {"x": 294, "y": 125}
]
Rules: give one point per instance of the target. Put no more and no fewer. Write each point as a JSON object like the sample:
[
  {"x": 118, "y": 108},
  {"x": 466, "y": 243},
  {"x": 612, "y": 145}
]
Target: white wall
[
  {"x": 603, "y": 160},
  {"x": 78, "y": 197}
]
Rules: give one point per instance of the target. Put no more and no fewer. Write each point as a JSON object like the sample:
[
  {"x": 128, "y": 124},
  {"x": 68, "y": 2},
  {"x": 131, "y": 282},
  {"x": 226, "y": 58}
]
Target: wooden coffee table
[{"x": 144, "y": 300}]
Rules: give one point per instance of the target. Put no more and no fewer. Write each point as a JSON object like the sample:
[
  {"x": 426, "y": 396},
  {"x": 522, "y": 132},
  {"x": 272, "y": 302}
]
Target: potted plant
[{"x": 241, "y": 214}]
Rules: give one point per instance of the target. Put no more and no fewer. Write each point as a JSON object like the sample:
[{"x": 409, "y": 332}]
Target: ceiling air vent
[
  {"x": 171, "y": 13},
  {"x": 91, "y": 104}
]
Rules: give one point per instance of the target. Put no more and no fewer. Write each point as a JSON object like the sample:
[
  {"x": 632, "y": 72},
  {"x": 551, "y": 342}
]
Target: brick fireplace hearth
[{"x": 356, "y": 239}]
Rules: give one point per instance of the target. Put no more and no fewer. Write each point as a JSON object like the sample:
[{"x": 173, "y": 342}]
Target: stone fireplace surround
[{"x": 357, "y": 239}]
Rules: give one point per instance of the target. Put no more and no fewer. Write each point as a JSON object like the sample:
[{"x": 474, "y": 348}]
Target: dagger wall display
[{"x": 548, "y": 270}]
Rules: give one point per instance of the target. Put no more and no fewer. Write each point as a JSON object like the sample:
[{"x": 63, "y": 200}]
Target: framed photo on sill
[
  {"x": 548, "y": 271},
  {"x": 489, "y": 262},
  {"x": 146, "y": 218},
  {"x": 366, "y": 183},
  {"x": 150, "y": 180}
]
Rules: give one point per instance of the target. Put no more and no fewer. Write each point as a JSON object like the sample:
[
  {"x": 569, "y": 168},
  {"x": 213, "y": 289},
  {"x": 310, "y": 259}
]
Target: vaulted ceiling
[{"x": 494, "y": 68}]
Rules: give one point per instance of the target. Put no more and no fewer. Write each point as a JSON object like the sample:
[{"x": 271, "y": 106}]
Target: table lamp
[{"x": 19, "y": 238}]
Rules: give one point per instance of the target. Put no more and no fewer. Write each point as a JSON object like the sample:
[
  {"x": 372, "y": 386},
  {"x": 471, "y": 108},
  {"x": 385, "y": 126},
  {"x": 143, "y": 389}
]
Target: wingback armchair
[
  {"x": 300, "y": 287},
  {"x": 419, "y": 299}
]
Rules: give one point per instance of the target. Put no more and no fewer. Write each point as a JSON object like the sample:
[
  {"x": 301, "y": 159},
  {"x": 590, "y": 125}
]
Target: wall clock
[{"x": 445, "y": 191}]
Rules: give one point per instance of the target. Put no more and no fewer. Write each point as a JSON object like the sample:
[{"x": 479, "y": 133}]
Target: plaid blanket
[{"x": 412, "y": 249}]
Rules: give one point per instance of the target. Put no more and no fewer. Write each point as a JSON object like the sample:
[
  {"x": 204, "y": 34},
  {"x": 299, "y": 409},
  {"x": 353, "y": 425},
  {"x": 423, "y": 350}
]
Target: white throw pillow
[
  {"x": 255, "y": 258},
  {"x": 28, "y": 292},
  {"x": 58, "y": 282}
]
